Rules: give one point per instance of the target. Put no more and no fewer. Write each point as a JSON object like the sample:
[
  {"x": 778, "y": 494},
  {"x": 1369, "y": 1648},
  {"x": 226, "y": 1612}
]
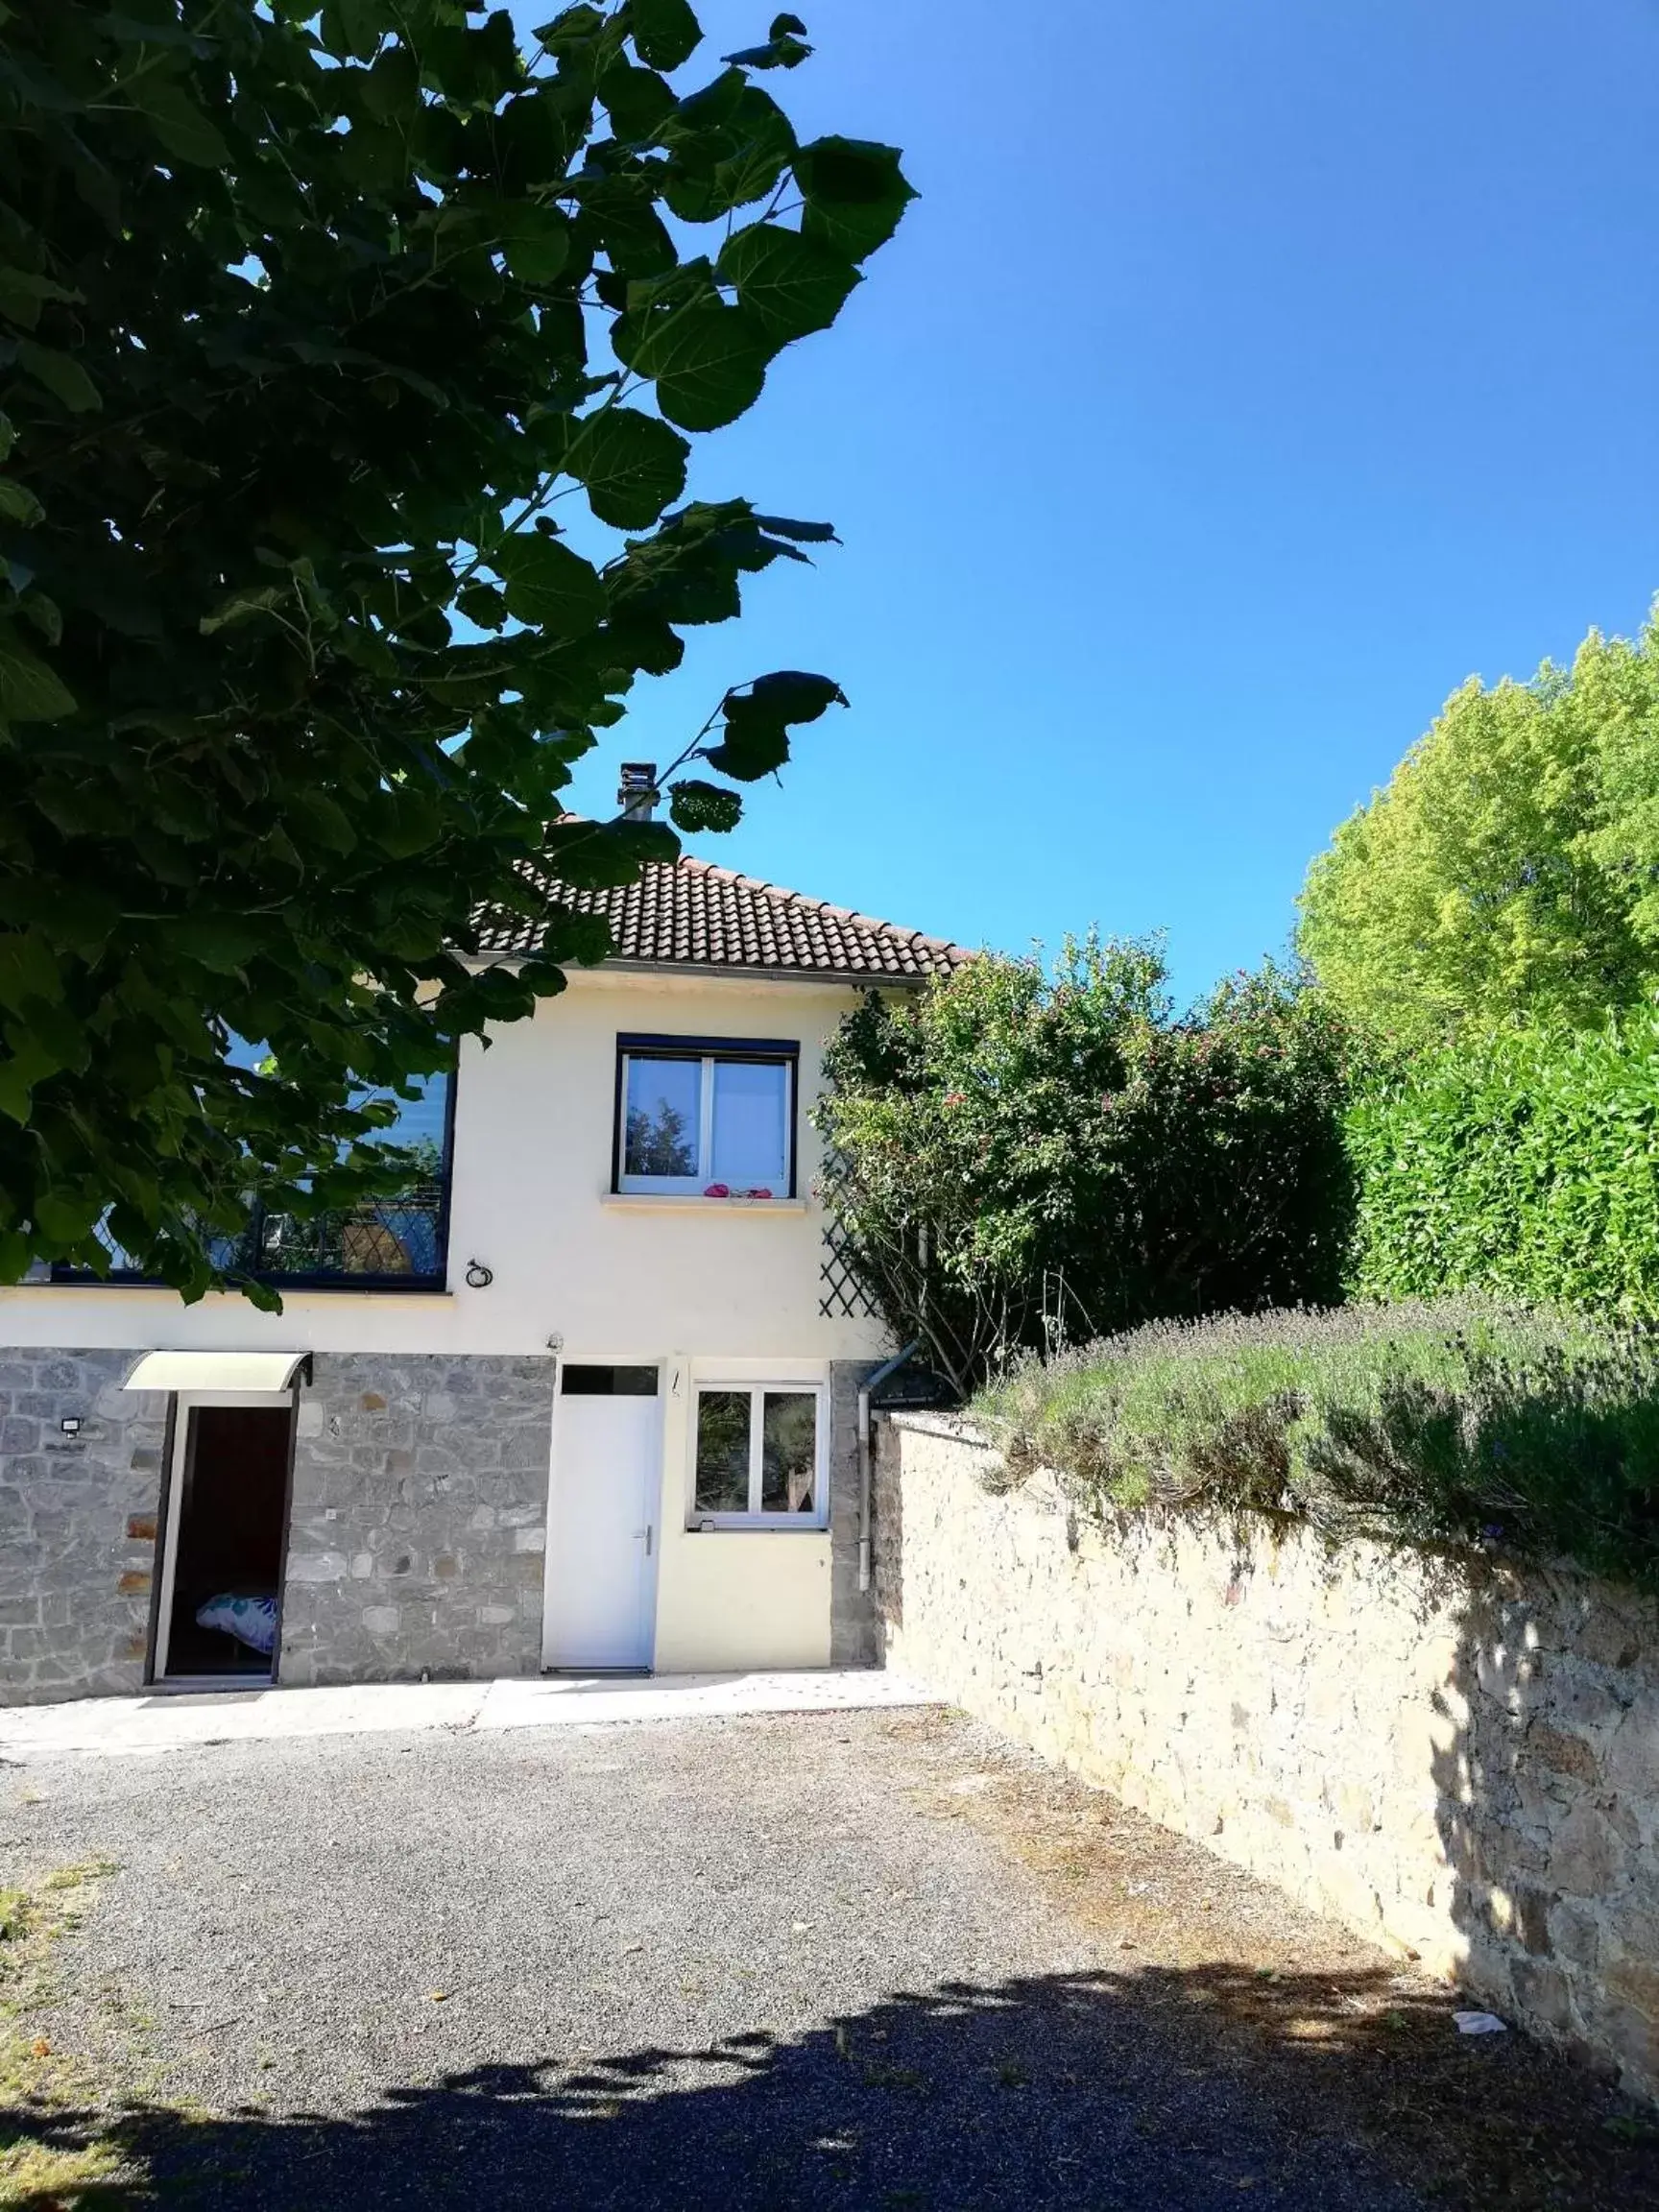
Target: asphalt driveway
[{"x": 855, "y": 1959}]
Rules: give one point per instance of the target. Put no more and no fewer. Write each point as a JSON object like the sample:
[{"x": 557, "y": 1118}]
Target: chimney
[{"x": 639, "y": 793}]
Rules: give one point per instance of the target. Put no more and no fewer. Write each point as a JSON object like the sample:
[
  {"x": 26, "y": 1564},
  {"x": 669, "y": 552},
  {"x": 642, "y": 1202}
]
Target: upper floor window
[
  {"x": 396, "y": 1242},
  {"x": 706, "y": 1115}
]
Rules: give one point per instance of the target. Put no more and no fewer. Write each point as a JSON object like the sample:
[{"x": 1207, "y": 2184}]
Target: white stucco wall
[
  {"x": 731, "y": 1599},
  {"x": 533, "y": 1151}
]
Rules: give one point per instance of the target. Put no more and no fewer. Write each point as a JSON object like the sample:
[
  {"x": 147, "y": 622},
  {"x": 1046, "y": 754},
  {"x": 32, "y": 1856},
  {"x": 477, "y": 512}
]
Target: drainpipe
[{"x": 880, "y": 1374}]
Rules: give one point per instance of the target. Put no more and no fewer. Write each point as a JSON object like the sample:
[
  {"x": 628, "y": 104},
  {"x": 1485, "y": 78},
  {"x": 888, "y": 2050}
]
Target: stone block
[
  {"x": 1631, "y": 1763},
  {"x": 1586, "y": 1854},
  {"x": 1543, "y": 1996},
  {"x": 1635, "y": 1982},
  {"x": 317, "y": 1566}
]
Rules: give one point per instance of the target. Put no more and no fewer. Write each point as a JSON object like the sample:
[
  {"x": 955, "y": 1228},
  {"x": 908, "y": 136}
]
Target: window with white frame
[
  {"x": 705, "y": 1115},
  {"x": 759, "y": 1456}
]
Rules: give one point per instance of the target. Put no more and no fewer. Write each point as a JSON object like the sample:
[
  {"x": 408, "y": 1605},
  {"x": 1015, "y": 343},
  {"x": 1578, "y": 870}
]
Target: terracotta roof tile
[{"x": 688, "y": 913}]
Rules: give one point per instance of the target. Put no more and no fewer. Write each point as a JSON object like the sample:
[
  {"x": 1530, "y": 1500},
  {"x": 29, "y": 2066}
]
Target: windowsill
[
  {"x": 678, "y": 1202},
  {"x": 778, "y": 1527}
]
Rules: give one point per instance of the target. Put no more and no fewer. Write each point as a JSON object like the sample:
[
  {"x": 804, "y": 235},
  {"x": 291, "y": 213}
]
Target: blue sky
[{"x": 1247, "y": 377}]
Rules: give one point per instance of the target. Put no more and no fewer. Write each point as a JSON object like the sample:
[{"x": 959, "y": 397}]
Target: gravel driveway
[{"x": 763, "y": 1963}]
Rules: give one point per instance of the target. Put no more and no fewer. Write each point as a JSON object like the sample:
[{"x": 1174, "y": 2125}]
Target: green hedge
[{"x": 1526, "y": 1164}]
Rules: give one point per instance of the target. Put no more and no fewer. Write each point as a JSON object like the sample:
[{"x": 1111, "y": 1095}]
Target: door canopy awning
[{"x": 216, "y": 1371}]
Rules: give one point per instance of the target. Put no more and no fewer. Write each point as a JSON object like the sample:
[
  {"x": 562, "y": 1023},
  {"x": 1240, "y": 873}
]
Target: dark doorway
[{"x": 230, "y": 1502}]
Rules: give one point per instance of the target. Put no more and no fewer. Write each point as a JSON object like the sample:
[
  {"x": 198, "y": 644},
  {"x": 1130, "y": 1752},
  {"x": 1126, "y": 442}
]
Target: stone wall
[
  {"x": 420, "y": 1519},
  {"x": 1463, "y": 1765},
  {"x": 77, "y": 1524}
]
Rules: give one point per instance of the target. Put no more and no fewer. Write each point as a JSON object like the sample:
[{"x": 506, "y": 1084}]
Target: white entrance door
[{"x": 601, "y": 1532}]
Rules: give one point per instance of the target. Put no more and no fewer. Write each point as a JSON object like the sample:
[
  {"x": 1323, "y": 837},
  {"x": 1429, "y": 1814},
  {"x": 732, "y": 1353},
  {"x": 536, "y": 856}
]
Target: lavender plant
[{"x": 1453, "y": 1424}]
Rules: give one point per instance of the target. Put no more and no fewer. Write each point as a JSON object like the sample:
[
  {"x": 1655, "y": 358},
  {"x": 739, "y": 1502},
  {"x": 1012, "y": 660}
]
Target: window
[
  {"x": 397, "y": 1242},
  {"x": 760, "y": 1461},
  {"x": 706, "y": 1115}
]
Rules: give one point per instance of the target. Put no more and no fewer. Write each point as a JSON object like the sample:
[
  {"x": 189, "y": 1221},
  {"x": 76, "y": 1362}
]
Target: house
[{"x": 586, "y": 1399}]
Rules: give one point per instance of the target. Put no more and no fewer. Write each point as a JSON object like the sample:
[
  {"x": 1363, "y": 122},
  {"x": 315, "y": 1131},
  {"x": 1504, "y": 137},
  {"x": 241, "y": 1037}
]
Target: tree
[
  {"x": 1017, "y": 1159},
  {"x": 1509, "y": 871},
  {"x": 659, "y": 1144},
  {"x": 314, "y": 323}
]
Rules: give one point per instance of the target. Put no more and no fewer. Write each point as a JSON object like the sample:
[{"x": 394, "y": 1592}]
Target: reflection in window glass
[
  {"x": 722, "y": 1452},
  {"x": 788, "y": 1451},
  {"x": 663, "y": 1106},
  {"x": 750, "y": 1124}
]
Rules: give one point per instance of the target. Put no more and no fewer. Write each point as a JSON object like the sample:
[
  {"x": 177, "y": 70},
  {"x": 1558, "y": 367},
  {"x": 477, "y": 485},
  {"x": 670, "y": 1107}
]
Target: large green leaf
[
  {"x": 533, "y": 240},
  {"x": 61, "y": 374},
  {"x": 758, "y": 721},
  {"x": 636, "y": 101},
  {"x": 23, "y": 293},
  {"x": 28, "y": 690},
  {"x": 67, "y": 1216},
  {"x": 708, "y": 362},
  {"x": 855, "y": 193},
  {"x": 179, "y": 121},
  {"x": 631, "y": 465},
  {"x": 790, "y": 285},
  {"x": 695, "y": 806},
  {"x": 665, "y": 32},
  {"x": 18, "y": 504},
  {"x": 784, "y": 51},
  {"x": 548, "y": 586}
]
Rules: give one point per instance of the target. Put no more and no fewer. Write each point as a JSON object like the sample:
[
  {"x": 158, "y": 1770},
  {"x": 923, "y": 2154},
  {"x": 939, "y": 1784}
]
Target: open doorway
[{"x": 218, "y": 1616}]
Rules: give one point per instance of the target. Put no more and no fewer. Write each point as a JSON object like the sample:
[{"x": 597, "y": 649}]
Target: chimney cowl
[{"x": 638, "y": 795}]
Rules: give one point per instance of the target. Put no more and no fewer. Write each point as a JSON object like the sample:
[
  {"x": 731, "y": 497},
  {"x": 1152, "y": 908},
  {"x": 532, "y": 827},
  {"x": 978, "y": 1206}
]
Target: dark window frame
[{"x": 770, "y": 1051}]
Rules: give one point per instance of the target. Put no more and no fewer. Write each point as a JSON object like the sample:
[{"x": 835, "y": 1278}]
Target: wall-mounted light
[
  {"x": 478, "y": 1276},
  {"x": 70, "y": 1425}
]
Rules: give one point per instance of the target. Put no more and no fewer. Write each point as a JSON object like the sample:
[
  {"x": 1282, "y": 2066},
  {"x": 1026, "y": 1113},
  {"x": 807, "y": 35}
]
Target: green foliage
[
  {"x": 336, "y": 343},
  {"x": 1511, "y": 868},
  {"x": 1460, "y": 1424},
  {"x": 1017, "y": 1158},
  {"x": 1524, "y": 1164}
]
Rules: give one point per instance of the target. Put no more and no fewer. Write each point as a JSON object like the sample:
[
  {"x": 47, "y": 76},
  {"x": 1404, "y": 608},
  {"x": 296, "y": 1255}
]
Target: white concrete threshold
[{"x": 158, "y": 1721}]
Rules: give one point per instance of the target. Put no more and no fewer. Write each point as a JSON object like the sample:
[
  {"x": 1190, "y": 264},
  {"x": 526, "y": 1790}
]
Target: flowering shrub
[
  {"x": 1020, "y": 1159},
  {"x": 1456, "y": 1425}
]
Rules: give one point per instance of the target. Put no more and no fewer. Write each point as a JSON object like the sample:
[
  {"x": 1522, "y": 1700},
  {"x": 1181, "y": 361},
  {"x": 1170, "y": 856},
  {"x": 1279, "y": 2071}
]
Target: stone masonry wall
[
  {"x": 420, "y": 1519},
  {"x": 1462, "y": 1766},
  {"x": 77, "y": 1524}
]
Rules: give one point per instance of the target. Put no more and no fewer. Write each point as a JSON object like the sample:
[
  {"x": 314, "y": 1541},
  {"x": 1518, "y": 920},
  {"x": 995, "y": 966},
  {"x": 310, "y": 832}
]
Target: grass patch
[
  {"x": 47, "y": 2156},
  {"x": 1457, "y": 1424}
]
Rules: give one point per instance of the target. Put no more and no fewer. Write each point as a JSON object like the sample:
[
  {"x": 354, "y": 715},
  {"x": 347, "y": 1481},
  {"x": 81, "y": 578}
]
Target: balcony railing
[{"x": 395, "y": 1243}]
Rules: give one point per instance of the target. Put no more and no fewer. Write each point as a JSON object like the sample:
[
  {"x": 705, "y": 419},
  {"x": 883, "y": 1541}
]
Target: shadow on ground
[{"x": 1172, "y": 2089}]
